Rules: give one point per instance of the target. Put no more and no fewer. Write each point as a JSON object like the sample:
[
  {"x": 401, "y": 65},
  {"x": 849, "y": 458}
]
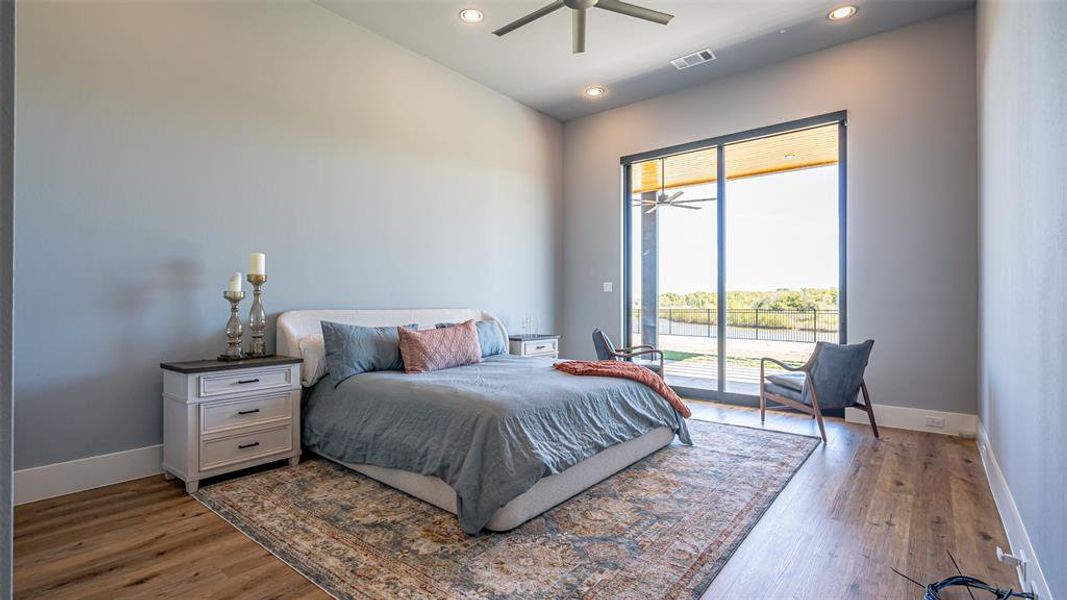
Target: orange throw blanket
[{"x": 626, "y": 370}]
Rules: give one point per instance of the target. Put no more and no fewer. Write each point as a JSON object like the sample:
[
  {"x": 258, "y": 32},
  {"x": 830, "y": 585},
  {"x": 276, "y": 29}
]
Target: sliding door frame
[{"x": 720, "y": 143}]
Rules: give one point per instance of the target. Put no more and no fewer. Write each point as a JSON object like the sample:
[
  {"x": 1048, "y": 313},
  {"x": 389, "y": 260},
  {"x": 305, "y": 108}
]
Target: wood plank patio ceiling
[{"x": 803, "y": 149}]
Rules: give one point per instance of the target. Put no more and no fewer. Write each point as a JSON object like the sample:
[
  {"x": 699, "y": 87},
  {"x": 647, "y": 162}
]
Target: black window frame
[{"x": 720, "y": 143}]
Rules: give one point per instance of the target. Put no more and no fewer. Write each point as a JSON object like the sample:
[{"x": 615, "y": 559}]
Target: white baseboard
[
  {"x": 49, "y": 481},
  {"x": 1013, "y": 522},
  {"x": 914, "y": 419}
]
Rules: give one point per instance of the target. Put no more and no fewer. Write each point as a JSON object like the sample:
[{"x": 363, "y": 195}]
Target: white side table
[
  {"x": 221, "y": 416},
  {"x": 534, "y": 345}
]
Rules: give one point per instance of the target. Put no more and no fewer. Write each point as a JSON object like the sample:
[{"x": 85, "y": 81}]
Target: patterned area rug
[{"x": 662, "y": 528}]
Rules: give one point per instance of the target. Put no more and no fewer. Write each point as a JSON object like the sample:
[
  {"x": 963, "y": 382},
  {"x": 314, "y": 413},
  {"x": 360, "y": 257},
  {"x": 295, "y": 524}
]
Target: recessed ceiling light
[
  {"x": 471, "y": 15},
  {"x": 782, "y": 31},
  {"x": 843, "y": 12},
  {"x": 790, "y": 156},
  {"x": 595, "y": 91}
]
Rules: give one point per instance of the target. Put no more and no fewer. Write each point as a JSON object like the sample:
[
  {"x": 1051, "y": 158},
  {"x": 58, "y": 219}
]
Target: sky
[{"x": 781, "y": 232}]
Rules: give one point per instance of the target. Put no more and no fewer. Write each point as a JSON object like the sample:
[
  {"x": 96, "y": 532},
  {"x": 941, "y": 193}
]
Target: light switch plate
[{"x": 608, "y": 286}]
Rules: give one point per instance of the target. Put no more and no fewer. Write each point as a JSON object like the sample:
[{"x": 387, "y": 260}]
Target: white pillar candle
[
  {"x": 257, "y": 263},
  {"x": 235, "y": 283}
]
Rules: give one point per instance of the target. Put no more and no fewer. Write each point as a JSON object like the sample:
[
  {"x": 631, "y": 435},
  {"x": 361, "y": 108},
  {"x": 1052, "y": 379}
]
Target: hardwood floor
[{"x": 858, "y": 507}]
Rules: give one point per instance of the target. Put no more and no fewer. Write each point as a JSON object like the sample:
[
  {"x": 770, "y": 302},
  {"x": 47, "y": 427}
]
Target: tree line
[{"x": 804, "y": 299}]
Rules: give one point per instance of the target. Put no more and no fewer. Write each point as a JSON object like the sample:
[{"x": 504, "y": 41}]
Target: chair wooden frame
[
  {"x": 633, "y": 352},
  {"x": 813, "y": 409}
]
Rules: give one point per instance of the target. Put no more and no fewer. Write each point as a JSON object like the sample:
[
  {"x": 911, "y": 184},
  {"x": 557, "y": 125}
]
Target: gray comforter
[{"x": 490, "y": 430}]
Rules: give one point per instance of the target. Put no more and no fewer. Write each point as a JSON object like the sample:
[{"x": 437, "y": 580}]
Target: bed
[{"x": 496, "y": 443}]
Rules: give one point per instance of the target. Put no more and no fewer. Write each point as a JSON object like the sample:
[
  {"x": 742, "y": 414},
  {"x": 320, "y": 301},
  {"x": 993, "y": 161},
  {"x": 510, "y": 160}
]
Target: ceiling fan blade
[
  {"x": 674, "y": 196},
  {"x": 686, "y": 206},
  {"x": 631, "y": 10},
  {"x": 537, "y": 14},
  {"x": 694, "y": 201},
  {"x": 578, "y": 30},
  {"x": 652, "y": 210}
]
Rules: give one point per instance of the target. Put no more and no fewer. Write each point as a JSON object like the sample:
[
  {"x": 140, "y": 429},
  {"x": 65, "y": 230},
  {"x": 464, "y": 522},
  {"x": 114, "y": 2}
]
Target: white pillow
[{"x": 313, "y": 351}]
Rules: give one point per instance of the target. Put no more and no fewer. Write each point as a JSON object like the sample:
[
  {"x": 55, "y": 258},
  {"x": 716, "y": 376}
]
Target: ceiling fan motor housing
[{"x": 579, "y": 4}]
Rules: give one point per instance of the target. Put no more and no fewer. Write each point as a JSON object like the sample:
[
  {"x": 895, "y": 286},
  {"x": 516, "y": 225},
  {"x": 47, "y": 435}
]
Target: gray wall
[
  {"x": 912, "y": 219},
  {"x": 1022, "y": 73},
  {"x": 7, "y": 131},
  {"x": 158, "y": 144}
]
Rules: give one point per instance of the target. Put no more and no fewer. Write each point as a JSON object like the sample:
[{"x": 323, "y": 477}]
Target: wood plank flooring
[{"x": 857, "y": 508}]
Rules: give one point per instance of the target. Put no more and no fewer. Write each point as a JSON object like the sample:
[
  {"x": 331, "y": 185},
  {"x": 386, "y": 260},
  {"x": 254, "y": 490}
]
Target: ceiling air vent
[{"x": 694, "y": 59}]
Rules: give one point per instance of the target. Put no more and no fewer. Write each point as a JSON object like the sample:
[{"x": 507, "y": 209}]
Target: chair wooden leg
[
  {"x": 869, "y": 408},
  {"x": 822, "y": 428},
  {"x": 816, "y": 412},
  {"x": 762, "y": 398}
]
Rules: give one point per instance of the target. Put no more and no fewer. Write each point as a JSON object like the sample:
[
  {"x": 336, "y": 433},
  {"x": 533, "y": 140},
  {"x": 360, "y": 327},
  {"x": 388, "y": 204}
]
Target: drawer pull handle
[
  {"x": 243, "y": 446},
  {"x": 244, "y": 381},
  {"x": 248, "y": 412},
  {"x": 541, "y": 347}
]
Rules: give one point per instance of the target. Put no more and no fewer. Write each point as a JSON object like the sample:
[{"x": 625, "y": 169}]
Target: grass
[
  {"x": 675, "y": 355},
  {"x": 741, "y": 361}
]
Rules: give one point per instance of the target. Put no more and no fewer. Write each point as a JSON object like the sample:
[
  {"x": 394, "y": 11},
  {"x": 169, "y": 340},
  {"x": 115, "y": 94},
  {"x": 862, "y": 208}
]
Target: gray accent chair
[
  {"x": 831, "y": 379},
  {"x": 605, "y": 350}
]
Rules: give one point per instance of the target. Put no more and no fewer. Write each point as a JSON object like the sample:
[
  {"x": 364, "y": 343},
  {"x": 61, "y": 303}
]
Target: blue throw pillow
[
  {"x": 490, "y": 337},
  {"x": 352, "y": 349}
]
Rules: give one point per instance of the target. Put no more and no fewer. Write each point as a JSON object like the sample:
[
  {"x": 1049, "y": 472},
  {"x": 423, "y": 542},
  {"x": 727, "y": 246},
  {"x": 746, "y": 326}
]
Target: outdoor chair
[
  {"x": 605, "y": 350},
  {"x": 831, "y": 379}
]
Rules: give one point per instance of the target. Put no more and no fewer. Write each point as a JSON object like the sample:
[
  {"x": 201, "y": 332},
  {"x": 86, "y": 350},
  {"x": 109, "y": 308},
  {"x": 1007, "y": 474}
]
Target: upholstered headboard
[{"x": 298, "y": 326}]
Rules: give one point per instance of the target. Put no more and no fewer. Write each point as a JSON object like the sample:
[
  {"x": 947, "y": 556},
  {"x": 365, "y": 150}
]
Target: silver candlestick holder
[
  {"x": 257, "y": 317},
  {"x": 233, "y": 328}
]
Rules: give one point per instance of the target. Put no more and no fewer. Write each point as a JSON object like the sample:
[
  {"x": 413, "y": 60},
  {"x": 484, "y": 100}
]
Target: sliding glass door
[
  {"x": 674, "y": 220},
  {"x": 735, "y": 251},
  {"x": 782, "y": 250}
]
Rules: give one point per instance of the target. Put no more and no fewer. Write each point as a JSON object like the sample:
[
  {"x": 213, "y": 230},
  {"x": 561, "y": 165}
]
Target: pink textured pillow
[{"x": 433, "y": 349}]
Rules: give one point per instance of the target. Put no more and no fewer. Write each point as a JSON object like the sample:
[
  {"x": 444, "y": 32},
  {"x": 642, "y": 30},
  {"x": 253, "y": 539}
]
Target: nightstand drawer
[
  {"x": 243, "y": 447},
  {"x": 220, "y": 416},
  {"x": 244, "y": 381},
  {"x": 540, "y": 347}
]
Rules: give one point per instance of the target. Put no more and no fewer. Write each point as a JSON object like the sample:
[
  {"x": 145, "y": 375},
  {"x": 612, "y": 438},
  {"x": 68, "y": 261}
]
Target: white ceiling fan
[
  {"x": 578, "y": 17},
  {"x": 662, "y": 200}
]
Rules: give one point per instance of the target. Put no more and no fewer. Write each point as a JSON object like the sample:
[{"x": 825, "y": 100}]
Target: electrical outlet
[
  {"x": 608, "y": 287},
  {"x": 1019, "y": 561},
  {"x": 935, "y": 422}
]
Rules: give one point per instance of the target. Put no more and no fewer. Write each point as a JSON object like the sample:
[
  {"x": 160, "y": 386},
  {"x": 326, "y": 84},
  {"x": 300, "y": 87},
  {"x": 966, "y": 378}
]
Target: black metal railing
[{"x": 747, "y": 324}]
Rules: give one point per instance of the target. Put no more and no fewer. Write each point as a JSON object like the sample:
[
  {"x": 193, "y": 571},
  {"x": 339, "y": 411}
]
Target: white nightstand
[
  {"x": 221, "y": 416},
  {"x": 534, "y": 345}
]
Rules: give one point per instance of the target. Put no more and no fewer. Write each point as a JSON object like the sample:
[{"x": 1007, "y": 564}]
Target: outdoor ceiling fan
[
  {"x": 663, "y": 201},
  {"x": 578, "y": 17}
]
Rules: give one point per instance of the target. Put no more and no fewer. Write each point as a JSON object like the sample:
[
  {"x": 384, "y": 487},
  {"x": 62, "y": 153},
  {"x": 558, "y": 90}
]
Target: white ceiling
[{"x": 628, "y": 56}]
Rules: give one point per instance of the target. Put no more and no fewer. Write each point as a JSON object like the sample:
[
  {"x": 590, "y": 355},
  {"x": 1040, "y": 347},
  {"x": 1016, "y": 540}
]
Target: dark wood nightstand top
[{"x": 204, "y": 366}]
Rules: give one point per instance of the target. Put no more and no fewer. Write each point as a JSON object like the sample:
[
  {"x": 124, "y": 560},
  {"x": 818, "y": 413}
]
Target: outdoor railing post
[{"x": 757, "y": 323}]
